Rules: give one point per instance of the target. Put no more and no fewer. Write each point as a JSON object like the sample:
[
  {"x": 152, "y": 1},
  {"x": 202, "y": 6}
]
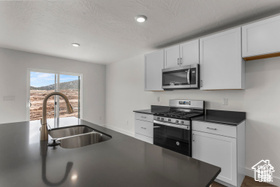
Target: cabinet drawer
[
  {"x": 144, "y": 127},
  {"x": 144, "y": 138},
  {"x": 214, "y": 128},
  {"x": 144, "y": 117}
]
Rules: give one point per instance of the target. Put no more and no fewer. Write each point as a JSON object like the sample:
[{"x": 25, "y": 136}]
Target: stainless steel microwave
[{"x": 183, "y": 77}]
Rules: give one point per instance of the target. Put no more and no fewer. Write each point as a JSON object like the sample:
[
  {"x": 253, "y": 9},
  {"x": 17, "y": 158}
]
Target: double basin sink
[{"x": 77, "y": 136}]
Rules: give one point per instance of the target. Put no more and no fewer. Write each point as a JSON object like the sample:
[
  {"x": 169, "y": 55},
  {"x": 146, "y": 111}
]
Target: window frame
[{"x": 29, "y": 70}]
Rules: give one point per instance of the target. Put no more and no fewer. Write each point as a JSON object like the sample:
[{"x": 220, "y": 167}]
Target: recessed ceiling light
[
  {"x": 74, "y": 177},
  {"x": 141, "y": 18},
  {"x": 75, "y": 45}
]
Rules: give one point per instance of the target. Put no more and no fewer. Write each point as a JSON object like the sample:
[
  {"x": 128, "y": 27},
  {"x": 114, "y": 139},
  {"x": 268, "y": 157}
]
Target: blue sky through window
[
  {"x": 38, "y": 79},
  {"x": 67, "y": 78}
]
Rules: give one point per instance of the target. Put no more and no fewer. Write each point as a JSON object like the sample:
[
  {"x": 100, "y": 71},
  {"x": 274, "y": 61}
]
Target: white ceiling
[{"x": 106, "y": 29}]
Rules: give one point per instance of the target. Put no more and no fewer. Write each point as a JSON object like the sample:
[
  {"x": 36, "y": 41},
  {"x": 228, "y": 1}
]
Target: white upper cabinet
[
  {"x": 172, "y": 56},
  {"x": 189, "y": 52},
  {"x": 261, "y": 38},
  {"x": 153, "y": 71},
  {"x": 181, "y": 55},
  {"x": 221, "y": 62}
]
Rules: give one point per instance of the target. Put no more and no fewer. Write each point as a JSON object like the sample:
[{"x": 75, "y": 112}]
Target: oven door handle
[
  {"x": 156, "y": 127},
  {"x": 171, "y": 125}
]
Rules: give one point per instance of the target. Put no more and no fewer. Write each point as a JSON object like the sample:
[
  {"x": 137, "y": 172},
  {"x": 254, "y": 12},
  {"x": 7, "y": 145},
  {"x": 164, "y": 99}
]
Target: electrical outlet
[
  {"x": 158, "y": 99},
  {"x": 225, "y": 101}
]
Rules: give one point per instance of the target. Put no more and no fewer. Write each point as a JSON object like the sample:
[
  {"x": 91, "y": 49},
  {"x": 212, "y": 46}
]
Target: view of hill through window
[{"x": 41, "y": 84}]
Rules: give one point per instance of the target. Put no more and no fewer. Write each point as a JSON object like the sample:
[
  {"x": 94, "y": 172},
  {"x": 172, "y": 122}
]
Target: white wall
[
  {"x": 260, "y": 100},
  {"x": 13, "y": 82}
]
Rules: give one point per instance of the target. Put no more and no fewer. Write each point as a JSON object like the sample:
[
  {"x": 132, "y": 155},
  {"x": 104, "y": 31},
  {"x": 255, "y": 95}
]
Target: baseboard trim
[
  {"x": 128, "y": 133},
  {"x": 276, "y": 179}
]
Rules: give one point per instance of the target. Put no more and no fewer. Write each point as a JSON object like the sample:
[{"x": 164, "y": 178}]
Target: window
[{"x": 42, "y": 83}]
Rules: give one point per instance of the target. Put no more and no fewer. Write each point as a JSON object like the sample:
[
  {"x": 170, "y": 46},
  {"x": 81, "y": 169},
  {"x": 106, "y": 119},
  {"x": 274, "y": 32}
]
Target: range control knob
[
  {"x": 177, "y": 143},
  {"x": 169, "y": 119},
  {"x": 162, "y": 119},
  {"x": 177, "y": 121},
  {"x": 182, "y": 122},
  {"x": 158, "y": 118}
]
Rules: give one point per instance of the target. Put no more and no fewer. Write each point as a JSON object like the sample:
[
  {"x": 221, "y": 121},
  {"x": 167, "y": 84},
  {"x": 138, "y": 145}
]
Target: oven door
[{"x": 173, "y": 138}]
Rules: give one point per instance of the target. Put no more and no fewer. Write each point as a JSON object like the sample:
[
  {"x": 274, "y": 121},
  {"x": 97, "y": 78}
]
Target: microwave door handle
[{"x": 188, "y": 76}]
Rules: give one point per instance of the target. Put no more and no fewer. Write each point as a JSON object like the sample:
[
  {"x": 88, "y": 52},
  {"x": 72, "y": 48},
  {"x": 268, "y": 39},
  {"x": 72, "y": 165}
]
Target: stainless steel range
[{"x": 172, "y": 129}]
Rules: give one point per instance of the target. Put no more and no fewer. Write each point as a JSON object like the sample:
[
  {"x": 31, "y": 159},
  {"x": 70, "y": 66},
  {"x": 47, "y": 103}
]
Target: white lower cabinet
[
  {"x": 144, "y": 127},
  {"x": 219, "y": 147},
  {"x": 217, "y": 150}
]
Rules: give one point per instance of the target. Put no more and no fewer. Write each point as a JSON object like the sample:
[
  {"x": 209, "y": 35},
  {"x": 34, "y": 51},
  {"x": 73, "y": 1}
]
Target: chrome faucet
[{"x": 44, "y": 128}]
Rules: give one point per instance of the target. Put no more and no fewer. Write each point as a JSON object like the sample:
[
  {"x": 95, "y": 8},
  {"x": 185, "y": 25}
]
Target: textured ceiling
[{"x": 106, "y": 29}]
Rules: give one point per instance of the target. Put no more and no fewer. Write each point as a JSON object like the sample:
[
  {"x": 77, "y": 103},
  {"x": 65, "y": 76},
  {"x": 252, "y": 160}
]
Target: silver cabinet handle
[
  {"x": 212, "y": 128},
  {"x": 177, "y": 143},
  {"x": 201, "y": 83},
  {"x": 143, "y": 128},
  {"x": 143, "y": 117},
  {"x": 181, "y": 61}
]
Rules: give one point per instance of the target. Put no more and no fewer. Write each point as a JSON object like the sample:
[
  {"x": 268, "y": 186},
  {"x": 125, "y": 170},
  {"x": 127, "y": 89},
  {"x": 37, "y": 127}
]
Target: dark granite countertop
[
  {"x": 146, "y": 111},
  {"x": 154, "y": 109},
  {"x": 120, "y": 161},
  {"x": 223, "y": 117}
]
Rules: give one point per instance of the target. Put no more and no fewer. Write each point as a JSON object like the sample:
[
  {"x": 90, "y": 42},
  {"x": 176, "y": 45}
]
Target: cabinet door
[
  {"x": 145, "y": 128},
  {"x": 153, "y": 71},
  {"x": 189, "y": 52},
  {"x": 261, "y": 37},
  {"x": 172, "y": 54},
  {"x": 221, "y": 63},
  {"x": 219, "y": 151}
]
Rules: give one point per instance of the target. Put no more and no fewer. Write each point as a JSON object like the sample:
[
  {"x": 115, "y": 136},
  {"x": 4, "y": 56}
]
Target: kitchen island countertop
[{"x": 120, "y": 161}]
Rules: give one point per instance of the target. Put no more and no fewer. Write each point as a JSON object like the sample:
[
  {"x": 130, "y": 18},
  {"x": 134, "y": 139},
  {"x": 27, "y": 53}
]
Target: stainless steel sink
[
  {"x": 69, "y": 131},
  {"x": 77, "y": 136},
  {"x": 83, "y": 140}
]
